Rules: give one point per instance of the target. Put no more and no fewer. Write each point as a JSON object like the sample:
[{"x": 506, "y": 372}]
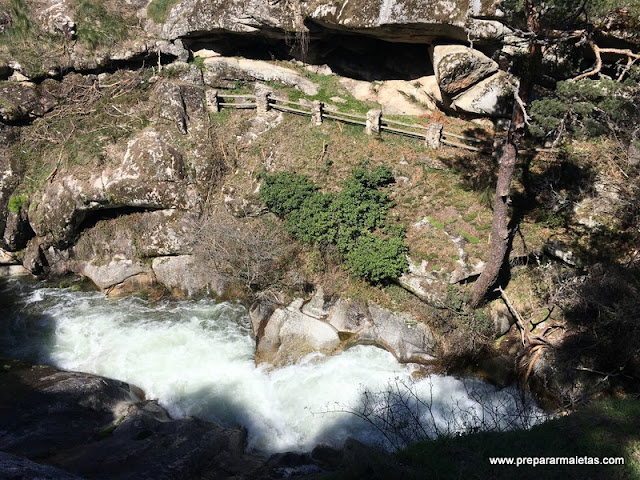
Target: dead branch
[
  {"x": 537, "y": 352},
  {"x": 597, "y": 51},
  {"x": 527, "y": 339},
  {"x": 519, "y": 321}
]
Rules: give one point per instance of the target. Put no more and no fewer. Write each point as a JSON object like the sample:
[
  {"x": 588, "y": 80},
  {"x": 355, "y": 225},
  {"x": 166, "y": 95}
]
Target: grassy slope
[
  {"x": 100, "y": 26},
  {"x": 607, "y": 428}
]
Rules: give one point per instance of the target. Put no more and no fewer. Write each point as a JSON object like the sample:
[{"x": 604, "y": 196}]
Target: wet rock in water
[
  {"x": 328, "y": 326},
  {"x": 289, "y": 335},
  {"x": 101, "y": 428}
]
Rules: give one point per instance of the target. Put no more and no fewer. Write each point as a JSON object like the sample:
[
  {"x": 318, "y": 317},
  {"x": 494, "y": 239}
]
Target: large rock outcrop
[
  {"x": 490, "y": 97},
  {"x": 458, "y": 67},
  {"x": 151, "y": 176},
  {"x": 470, "y": 82},
  {"x": 101, "y": 428},
  {"x": 104, "y": 225},
  {"x": 328, "y": 325},
  {"x": 407, "y": 21}
]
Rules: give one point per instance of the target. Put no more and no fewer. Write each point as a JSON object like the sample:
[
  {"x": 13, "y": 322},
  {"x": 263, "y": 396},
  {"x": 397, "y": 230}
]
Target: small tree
[{"x": 545, "y": 25}]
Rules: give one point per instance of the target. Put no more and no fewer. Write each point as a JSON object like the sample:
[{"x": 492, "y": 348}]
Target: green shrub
[
  {"x": 378, "y": 258},
  {"x": 588, "y": 108},
  {"x": 285, "y": 192},
  {"x": 16, "y": 202},
  {"x": 313, "y": 222},
  {"x": 354, "y": 219}
]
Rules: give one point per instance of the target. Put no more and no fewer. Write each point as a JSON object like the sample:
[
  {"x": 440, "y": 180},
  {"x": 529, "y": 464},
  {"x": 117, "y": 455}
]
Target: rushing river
[{"x": 196, "y": 358}]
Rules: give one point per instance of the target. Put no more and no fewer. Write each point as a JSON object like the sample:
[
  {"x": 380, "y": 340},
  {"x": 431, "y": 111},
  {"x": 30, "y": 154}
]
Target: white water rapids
[{"x": 196, "y": 358}]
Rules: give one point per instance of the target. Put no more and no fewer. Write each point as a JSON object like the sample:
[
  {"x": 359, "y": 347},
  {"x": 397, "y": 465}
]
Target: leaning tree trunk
[{"x": 500, "y": 226}]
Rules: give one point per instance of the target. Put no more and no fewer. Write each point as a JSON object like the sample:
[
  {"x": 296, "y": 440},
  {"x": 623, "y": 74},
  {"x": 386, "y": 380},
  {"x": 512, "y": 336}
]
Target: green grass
[
  {"x": 470, "y": 238},
  {"x": 16, "y": 202},
  {"x": 328, "y": 86},
  {"x": 98, "y": 27},
  {"x": 26, "y": 43},
  {"x": 435, "y": 223},
  {"x": 38, "y": 51},
  {"x": 158, "y": 10},
  {"x": 21, "y": 28}
]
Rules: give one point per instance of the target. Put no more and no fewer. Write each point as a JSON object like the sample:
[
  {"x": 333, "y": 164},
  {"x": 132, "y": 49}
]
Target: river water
[{"x": 196, "y": 358}]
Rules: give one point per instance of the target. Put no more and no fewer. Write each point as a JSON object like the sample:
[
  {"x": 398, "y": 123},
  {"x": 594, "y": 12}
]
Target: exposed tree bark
[
  {"x": 500, "y": 234},
  {"x": 500, "y": 226}
]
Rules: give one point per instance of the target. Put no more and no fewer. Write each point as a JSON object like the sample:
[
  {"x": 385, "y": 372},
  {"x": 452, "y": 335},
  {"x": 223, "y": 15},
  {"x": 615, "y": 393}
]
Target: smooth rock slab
[
  {"x": 458, "y": 67},
  {"x": 181, "y": 274},
  {"x": 289, "y": 335},
  {"x": 492, "y": 96},
  {"x": 96, "y": 427},
  {"x": 219, "y": 70},
  {"x": 286, "y": 335},
  {"x": 112, "y": 273}
]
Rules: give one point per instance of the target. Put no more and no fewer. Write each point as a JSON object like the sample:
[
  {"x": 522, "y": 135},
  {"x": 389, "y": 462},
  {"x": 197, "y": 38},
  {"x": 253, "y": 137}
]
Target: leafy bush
[
  {"x": 285, "y": 192},
  {"x": 16, "y": 203},
  {"x": 378, "y": 258},
  {"x": 354, "y": 219},
  {"x": 588, "y": 108}
]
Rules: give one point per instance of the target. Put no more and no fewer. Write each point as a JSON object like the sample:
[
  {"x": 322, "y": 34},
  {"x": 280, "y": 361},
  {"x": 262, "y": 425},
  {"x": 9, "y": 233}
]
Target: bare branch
[{"x": 631, "y": 57}]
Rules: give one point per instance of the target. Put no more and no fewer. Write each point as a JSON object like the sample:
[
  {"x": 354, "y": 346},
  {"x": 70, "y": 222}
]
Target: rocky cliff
[{"x": 121, "y": 201}]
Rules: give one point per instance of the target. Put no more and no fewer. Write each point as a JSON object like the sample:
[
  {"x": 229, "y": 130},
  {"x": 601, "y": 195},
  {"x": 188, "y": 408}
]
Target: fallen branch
[
  {"x": 537, "y": 351},
  {"x": 526, "y": 337},
  {"x": 631, "y": 58},
  {"x": 524, "y": 334}
]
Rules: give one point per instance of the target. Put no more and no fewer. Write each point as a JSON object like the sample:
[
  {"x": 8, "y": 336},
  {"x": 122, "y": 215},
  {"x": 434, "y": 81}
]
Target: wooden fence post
[
  {"x": 433, "y": 137},
  {"x": 374, "y": 119},
  {"x": 262, "y": 93},
  {"x": 212, "y": 101},
  {"x": 316, "y": 112}
]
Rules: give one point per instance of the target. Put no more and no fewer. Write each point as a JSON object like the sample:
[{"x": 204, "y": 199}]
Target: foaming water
[{"x": 196, "y": 358}]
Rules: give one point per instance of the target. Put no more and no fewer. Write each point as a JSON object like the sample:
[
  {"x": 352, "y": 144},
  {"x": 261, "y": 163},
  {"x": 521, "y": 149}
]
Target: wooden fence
[{"x": 373, "y": 122}]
